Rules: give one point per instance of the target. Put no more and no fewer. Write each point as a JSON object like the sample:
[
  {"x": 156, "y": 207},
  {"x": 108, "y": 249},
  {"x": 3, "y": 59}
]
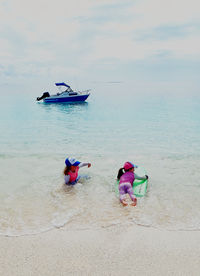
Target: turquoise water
[{"x": 159, "y": 132}]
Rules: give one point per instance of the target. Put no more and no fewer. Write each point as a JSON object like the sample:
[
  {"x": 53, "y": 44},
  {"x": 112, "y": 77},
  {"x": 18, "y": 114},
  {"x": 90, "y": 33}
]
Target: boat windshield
[
  {"x": 69, "y": 90},
  {"x": 63, "y": 90}
]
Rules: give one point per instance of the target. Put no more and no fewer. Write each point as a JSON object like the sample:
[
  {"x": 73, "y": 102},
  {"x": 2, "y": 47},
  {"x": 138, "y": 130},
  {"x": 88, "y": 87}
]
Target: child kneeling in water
[
  {"x": 71, "y": 176},
  {"x": 126, "y": 177}
]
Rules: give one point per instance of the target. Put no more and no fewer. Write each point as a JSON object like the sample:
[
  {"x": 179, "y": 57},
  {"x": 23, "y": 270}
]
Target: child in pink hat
[{"x": 126, "y": 177}]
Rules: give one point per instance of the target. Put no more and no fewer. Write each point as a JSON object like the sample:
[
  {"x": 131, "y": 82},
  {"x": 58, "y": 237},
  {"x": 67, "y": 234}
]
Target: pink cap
[{"x": 128, "y": 165}]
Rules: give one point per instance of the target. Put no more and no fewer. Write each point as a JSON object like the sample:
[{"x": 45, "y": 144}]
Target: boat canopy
[{"x": 62, "y": 84}]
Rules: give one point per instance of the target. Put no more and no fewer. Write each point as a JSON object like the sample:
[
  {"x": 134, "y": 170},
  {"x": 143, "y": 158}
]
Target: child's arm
[
  {"x": 84, "y": 164},
  {"x": 67, "y": 177},
  {"x": 141, "y": 177}
]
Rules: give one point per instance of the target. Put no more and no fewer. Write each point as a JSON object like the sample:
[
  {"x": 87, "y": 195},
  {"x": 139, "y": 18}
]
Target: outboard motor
[{"x": 45, "y": 95}]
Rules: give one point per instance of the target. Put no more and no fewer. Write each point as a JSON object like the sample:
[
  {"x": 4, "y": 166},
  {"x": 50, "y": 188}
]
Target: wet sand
[{"x": 117, "y": 250}]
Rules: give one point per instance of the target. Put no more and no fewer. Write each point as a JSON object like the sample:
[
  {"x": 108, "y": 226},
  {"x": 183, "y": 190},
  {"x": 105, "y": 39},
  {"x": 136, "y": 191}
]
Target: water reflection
[
  {"x": 60, "y": 109},
  {"x": 66, "y": 108}
]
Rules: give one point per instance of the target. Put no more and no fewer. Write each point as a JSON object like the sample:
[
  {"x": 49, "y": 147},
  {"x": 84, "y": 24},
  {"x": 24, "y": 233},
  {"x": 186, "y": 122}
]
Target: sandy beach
[{"x": 117, "y": 250}]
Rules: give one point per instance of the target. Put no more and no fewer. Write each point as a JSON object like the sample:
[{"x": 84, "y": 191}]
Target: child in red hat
[{"x": 126, "y": 177}]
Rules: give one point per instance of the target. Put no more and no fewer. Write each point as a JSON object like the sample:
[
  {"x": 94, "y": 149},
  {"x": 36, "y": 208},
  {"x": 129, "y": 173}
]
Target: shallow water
[{"x": 160, "y": 133}]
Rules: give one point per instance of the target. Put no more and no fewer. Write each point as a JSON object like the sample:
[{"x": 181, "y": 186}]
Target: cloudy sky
[{"x": 93, "y": 41}]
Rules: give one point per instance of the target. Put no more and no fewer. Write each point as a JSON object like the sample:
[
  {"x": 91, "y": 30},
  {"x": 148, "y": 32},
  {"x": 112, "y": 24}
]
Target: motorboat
[{"x": 66, "y": 95}]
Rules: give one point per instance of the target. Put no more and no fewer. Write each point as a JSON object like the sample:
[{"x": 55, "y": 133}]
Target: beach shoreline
[{"x": 117, "y": 250}]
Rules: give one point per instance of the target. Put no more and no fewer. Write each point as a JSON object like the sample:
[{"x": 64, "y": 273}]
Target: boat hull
[{"x": 70, "y": 99}]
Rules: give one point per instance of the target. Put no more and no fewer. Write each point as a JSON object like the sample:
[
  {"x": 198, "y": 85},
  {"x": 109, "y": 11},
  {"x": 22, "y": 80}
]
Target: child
[
  {"x": 71, "y": 170},
  {"x": 126, "y": 177}
]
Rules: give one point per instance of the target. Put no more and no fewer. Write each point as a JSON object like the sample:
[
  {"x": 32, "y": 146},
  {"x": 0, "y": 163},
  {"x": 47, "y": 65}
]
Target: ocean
[{"x": 158, "y": 131}]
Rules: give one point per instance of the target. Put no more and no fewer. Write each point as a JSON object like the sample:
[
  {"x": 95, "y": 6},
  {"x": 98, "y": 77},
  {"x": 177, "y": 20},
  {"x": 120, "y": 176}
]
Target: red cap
[{"x": 128, "y": 165}]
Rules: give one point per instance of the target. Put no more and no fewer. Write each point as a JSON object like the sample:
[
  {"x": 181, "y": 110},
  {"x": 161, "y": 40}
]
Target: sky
[{"x": 148, "y": 43}]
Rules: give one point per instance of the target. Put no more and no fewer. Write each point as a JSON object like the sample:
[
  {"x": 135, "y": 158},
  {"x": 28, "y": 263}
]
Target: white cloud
[
  {"x": 125, "y": 49},
  {"x": 185, "y": 48},
  {"x": 5, "y": 49},
  {"x": 41, "y": 20},
  {"x": 123, "y": 40},
  {"x": 149, "y": 14},
  {"x": 41, "y": 35}
]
